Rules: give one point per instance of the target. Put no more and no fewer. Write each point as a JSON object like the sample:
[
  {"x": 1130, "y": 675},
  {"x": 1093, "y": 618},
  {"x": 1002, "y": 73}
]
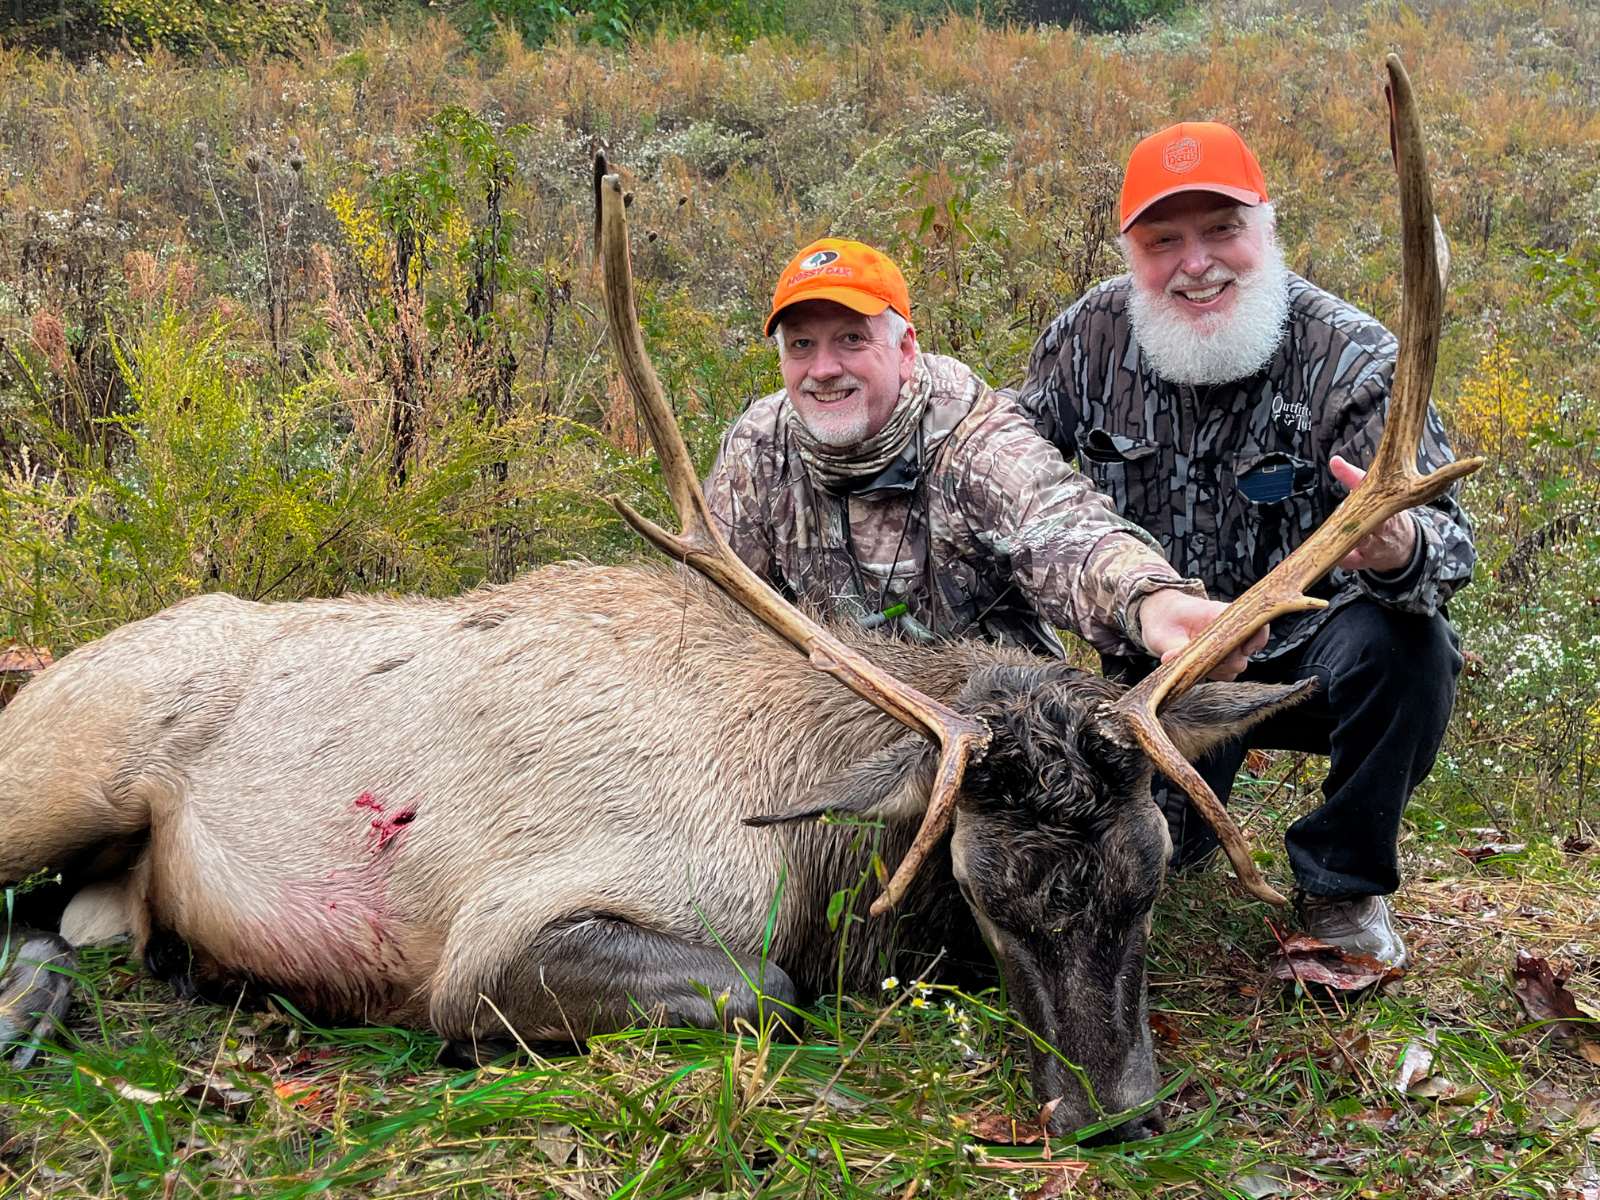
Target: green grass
[{"x": 1268, "y": 1090}]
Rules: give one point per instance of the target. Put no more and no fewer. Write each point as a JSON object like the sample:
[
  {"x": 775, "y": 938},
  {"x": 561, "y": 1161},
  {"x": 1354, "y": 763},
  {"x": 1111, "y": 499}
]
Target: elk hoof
[{"x": 35, "y": 991}]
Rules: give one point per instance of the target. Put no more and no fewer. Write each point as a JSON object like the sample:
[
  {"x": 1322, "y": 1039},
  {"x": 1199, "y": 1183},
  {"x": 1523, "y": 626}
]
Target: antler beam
[
  {"x": 1393, "y": 484},
  {"x": 700, "y": 545}
]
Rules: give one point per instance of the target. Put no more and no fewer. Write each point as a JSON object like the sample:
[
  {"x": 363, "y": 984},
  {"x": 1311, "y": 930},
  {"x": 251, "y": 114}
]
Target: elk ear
[
  {"x": 1212, "y": 713},
  {"x": 893, "y": 783}
]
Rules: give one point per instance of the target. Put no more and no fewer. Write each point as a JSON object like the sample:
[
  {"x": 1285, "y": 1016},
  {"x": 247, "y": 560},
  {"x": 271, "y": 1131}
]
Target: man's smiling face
[
  {"x": 1197, "y": 249},
  {"x": 843, "y": 370},
  {"x": 1210, "y": 289}
]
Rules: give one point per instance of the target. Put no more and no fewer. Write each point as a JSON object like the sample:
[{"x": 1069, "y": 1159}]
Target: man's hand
[
  {"x": 1389, "y": 547},
  {"x": 1169, "y": 619}
]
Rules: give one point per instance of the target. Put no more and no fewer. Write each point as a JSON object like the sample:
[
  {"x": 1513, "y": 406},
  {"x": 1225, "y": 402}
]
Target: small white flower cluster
[
  {"x": 920, "y": 990},
  {"x": 965, "y": 1035}
]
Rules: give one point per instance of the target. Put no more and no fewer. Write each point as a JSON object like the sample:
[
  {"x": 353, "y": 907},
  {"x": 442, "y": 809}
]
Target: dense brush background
[{"x": 296, "y": 298}]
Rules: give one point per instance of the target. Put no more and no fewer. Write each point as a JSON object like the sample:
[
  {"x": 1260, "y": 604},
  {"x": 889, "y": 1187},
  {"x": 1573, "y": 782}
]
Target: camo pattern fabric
[
  {"x": 980, "y": 527},
  {"x": 1230, "y": 478}
]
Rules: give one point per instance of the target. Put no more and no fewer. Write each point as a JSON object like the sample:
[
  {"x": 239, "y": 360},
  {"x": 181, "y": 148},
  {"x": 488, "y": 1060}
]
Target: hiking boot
[{"x": 1359, "y": 925}]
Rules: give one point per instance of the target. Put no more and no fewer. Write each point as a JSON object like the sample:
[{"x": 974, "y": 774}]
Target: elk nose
[{"x": 1136, "y": 1130}]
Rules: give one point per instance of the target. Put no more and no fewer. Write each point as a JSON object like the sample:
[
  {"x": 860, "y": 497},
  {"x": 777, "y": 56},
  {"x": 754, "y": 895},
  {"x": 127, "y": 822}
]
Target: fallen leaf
[
  {"x": 1166, "y": 1028},
  {"x": 1303, "y": 959},
  {"x": 131, "y": 1091},
  {"x": 1573, "y": 844},
  {"x": 1385, "y": 1119},
  {"x": 1544, "y": 997},
  {"x": 1005, "y": 1130},
  {"x": 1416, "y": 1061},
  {"x": 23, "y": 660},
  {"x": 1488, "y": 850},
  {"x": 556, "y": 1143},
  {"x": 1268, "y": 1179},
  {"x": 1555, "y": 1106},
  {"x": 215, "y": 1094},
  {"x": 298, "y": 1092},
  {"x": 1445, "y": 1091}
]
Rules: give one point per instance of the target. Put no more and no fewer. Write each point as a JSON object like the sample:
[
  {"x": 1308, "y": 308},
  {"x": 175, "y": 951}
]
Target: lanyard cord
[{"x": 894, "y": 560}]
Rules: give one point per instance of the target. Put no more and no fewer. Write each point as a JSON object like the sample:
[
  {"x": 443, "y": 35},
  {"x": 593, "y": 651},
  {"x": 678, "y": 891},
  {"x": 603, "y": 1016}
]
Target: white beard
[
  {"x": 840, "y": 428},
  {"x": 1214, "y": 348}
]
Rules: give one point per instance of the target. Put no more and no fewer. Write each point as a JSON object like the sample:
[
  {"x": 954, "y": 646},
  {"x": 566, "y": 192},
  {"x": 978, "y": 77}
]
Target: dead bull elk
[{"x": 529, "y": 809}]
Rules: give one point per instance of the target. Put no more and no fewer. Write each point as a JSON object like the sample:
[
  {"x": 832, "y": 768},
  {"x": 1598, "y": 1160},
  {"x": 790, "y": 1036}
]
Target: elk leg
[
  {"x": 35, "y": 989},
  {"x": 591, "y": 973}
]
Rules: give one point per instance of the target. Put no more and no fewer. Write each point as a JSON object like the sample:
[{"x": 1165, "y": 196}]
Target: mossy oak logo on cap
[
  {"x": 820, "y": 259},
  {"x": 1181, "y": 156}
]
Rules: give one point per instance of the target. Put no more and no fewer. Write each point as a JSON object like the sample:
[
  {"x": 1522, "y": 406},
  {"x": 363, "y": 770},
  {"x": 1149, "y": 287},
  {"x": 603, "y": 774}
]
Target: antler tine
[
  {"x": 701, "y": 545},
  {"x": 1392, "y": 485}
]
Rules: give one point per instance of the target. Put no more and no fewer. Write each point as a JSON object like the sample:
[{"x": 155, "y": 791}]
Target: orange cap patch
[
  {"x": 848, "y": 273},
  {"x": 1192, "y": 156}
]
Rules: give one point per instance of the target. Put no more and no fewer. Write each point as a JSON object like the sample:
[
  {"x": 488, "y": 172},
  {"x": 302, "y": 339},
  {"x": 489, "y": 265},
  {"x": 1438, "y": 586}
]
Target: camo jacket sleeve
[
  {"x": 1445, "y": 555},
  {"x": 1081, "y": 565},
  {"x": 739, "y": 494}
]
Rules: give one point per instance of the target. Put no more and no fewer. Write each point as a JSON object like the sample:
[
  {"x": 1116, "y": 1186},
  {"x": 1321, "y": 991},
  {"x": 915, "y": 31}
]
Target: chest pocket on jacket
[
  {"x": 1117, "y": 464},
  {"x": 1277, "y": 504},
  {"x": 1273, "y": 478}
]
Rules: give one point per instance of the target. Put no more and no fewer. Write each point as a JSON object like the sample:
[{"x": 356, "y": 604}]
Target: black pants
[{"x": 1388, "y": 682}]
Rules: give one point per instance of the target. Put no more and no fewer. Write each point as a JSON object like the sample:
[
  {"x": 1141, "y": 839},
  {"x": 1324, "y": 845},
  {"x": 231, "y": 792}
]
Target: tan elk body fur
[{"x": 538, "y": 734}]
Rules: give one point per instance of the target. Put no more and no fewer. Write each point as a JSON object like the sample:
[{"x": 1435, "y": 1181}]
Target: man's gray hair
[
  {"x": 894, "y": 327},
  {"x": 1256, "y": 216}
]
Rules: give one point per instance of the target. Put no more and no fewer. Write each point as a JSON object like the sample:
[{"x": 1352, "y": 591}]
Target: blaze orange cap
[
  {"x": 848, "y": 273},
  {"x": 1192, "y": 156}
]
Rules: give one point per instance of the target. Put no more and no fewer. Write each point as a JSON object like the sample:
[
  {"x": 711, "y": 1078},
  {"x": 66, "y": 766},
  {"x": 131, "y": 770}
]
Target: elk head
[{"x": 1059, "y": 853}]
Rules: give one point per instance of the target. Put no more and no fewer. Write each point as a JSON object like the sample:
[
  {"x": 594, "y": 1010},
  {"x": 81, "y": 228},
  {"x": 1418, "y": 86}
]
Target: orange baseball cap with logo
[
  {"x": 848, "y": 273},
  {"x": 1192, "y": 156}
]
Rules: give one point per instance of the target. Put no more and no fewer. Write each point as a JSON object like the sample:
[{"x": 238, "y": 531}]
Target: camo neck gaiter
[{"x": 837, "y": 469}]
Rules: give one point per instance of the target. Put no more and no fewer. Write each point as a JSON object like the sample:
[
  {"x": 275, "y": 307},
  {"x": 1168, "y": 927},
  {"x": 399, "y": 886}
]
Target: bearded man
[
  {"x": 895, "y": 488},
  {"x": 1226, "y": 405}
]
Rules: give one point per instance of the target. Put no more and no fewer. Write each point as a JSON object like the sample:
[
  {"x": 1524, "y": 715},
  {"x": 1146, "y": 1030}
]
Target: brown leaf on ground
[
  {"x": 23, "y": 660},
  {"x": 1168, "y": 1031},
  {"x": 1416, "y": 1062},
  {"x": 218, "y": 1096},
  {"x": 1303, "y": 959},
  {"x": 1488, "y": 850},
  {"x": 1544, "y": 997},
  {"x": 1266, "y": 1180},
  {"x": 1574, "y": 844},
  {"x": 1553, "y": 1106},
  {"x": 1384, "y": 1119},
  {"x": 1003, "y": 1129},
  {"x": 1445, "y": 1091}
]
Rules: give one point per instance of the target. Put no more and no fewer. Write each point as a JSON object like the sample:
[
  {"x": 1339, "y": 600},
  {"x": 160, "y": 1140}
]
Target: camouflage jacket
[
  {"x": 979, "y": 527},
  {"x": 1230, "y": 478}
]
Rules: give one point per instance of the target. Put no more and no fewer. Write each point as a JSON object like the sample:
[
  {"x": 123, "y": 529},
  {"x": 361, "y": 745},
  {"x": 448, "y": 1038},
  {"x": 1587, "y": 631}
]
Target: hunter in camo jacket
[
  {"x": 1210, "y": 394},
  {"x": 1230, "y": 478},
  {"x": 958, "y": 510}
]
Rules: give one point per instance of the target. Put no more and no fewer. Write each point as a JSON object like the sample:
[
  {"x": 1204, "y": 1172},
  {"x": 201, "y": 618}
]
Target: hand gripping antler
[
  {"x": 702, "y": 546},
  {"x": 1393, "y": 484}
]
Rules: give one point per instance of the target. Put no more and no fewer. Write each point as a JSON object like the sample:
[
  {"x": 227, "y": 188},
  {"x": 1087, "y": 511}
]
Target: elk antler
[
  {"x": 702, "y": 546},
  {"x": 1393, "y": 484}
]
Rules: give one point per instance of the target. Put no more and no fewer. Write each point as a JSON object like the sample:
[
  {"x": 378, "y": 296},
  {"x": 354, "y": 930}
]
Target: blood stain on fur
[
  {"x": 386, "y": 828},
  {"x": 368, "y": 800}
]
